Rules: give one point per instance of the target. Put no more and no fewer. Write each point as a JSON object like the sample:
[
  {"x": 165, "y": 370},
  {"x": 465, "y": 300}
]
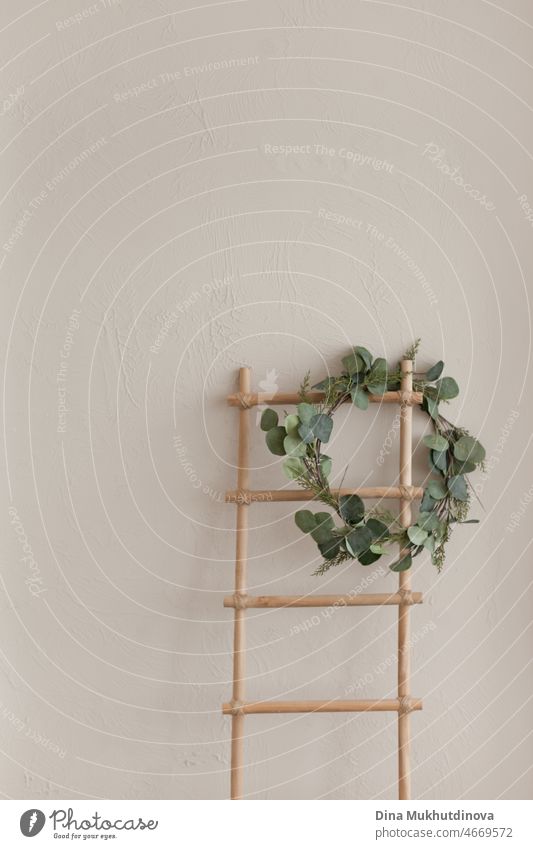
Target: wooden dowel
[
  {"x": 324, "y": 706},
  {"x": 363, "y": 600},
  {"x": 253, "y": 399},
  {"x": 239, "y": 645},
  {"x": 404, "y": 665},
  {"x": 261, "y": 495}
]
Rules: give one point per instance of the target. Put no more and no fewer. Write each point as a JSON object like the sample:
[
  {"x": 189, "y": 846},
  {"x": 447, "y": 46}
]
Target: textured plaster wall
[{"x": 189, "y": 187}]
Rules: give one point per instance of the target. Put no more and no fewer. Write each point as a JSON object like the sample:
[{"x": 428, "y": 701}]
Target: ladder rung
[
  {"x": 252, "y": 399},
  {"x": 241, "y": 601},
  {"x": 264, "y": 495},
  {"x": 404, "y": 705}
]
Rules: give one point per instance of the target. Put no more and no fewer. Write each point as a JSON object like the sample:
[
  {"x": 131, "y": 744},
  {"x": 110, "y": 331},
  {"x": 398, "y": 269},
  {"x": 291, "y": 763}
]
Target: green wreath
[{"x": 366, "y": 535}]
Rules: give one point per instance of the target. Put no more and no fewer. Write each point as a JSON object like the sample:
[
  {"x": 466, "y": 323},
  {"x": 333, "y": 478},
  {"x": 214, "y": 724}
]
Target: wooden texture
[
  {"x": 253, "y": 399},
  {"x": 363, "y": 600},
  {"x": 404, "y": 665},
  {"x": 323, "y": 706},
  {"x": 239, "y": 642},
  {"x": 234, "y": 496}
]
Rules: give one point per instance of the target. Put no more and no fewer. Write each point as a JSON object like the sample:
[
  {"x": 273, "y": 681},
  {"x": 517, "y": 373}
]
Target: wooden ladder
[{"x": 243, "y": 497}]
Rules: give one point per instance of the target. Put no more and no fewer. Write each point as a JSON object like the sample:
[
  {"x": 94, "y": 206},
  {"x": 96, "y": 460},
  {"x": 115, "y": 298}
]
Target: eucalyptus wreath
[{"x": 368, "y": 534}]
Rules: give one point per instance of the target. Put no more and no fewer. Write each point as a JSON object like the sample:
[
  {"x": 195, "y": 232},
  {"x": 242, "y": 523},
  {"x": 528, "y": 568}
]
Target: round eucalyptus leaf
[
  {"x": 352, "y": 509},
  {"x": 322, "y": 533},
  {"x": 306, "y": 412},
  {"x": 416, "y": 535},
  {"x": 458, "y": 468},
  {"x": 269, "y": 419},
  {"x": 469, "y": 449},
  {"x": 427, "y": 504},
  {"x": 457, "y": 488},
  {"x": 428, "y": 521},
  {"x": 292, "y": 423},
  {"x": 274, "y": 440},
  {"x": 294, "y": 446},
  {"x": 305, "y": 520},
  {"x": 325, "y": 466},
  {"x": 439, "y": 460},
  {"x": 403, "y": 564},
  {"x": 377, "y": 529},
  {"x": 429, "y": 544},
  {"x": 435, "y": 441},
  {"x": 294, "y": 468},
  {"x": 323, "y": 518},
  {"x": 353, "y": 363},
  {"x": 322, "y": 426},
  {"x": 377, "y": 377},
  {"x": 360, "y": 397},
  {"x": 366, "y": 558},
  {"x": 324, "y": 528},
  {"x": 377, "y": 387},
  {"x": 329, "y": 550},
  {"x": 437, "y": 490},
  {"x": 447, "y": 389},
  {"x": 358, "y": 540},
  {"x": 365, "y": 355}
]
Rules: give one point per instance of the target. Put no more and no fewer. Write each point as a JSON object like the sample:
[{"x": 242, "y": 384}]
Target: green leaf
[
  {"x": 403, "y": 564},
  {"x": 468, "y": 449},
  {"x": 325, "y": 465},
  {"x": 458, "y": 468},
  {"x": 274, "y": 440},
  {"x": 294, "y": 468},
  {"x": 427, "y": 504},
  {"x": 358, "y": 540},
  {"x": 436, "y": 442},
  {"x": 416, "y": 535},
  {"x": 437, "y": 490},
  {"x": 331, "y": 548},
  {"x": 457, "y": 488},
  {"x": 294, "y": 446},
  {"x": 292, "y": 423},
  {"x": 323, "y": 517},
  {"x": 377, "y": 377},
  {"x": 429, "y": 544},
  {"x": 318, "y": 427},
  {"x": 428, "y": 521},
  {"x": 353, "y": 363},
  {"x": 435, "y": 371},
  {"x": 447, "y": 389},
  {"x": 366, "y": 558},
  {"x": 351, "y": 508},
  {"x": 306, "y": 412},
  {"x": 365, "y": 355},
  {"x": 305, "y": 520},
  {"x": 323, "y": 532},
  {"x": 360, "y": 397},
  {"x": 269, "y": 419},
  {"x": 431, "y": 406},
  {"x": 376, "y": 548},
  {"x": 470, "y": 522},
  {"x": 439, "y": 460},
  {"x": 378, "y": 529}
]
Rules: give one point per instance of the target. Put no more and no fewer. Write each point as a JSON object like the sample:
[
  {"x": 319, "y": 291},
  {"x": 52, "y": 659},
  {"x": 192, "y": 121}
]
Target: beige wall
[{"x": 158, "y": 230}]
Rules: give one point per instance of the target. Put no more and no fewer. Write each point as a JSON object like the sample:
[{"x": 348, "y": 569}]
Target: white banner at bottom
[{"x": 264, "y": 825}]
